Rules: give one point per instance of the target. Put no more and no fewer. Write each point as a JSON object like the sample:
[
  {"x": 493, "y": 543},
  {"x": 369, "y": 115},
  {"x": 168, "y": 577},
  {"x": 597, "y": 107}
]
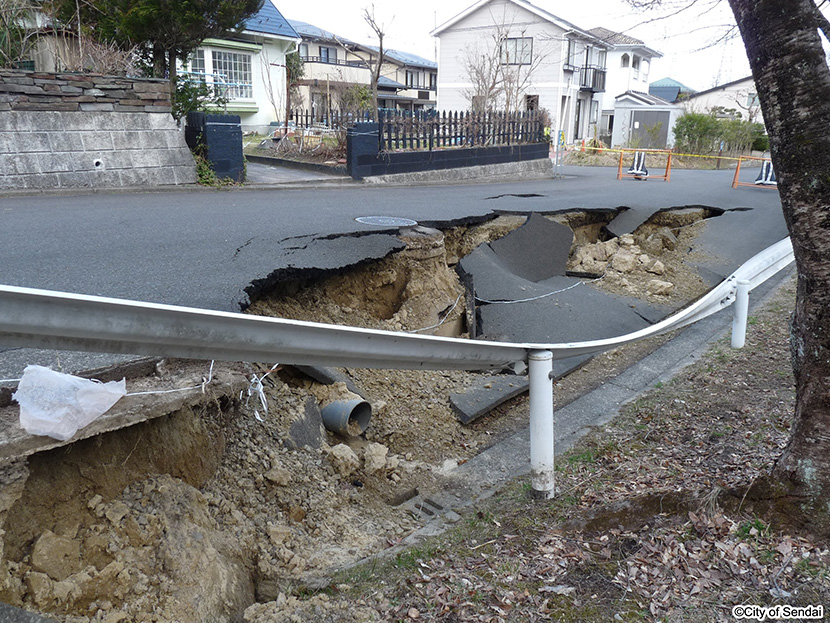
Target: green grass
[{"x": 746, "y": 528}]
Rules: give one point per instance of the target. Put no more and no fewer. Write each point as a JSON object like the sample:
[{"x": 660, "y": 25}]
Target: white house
[
  {"x": 536, "y": 60},
  {"x": 250, "y": 67},
  {"x": 738, "y": 97},
  {"x": 644, "y": 121},
  {"x": 629, "y": 64}
]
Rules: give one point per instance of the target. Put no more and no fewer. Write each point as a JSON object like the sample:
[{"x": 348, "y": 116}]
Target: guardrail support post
[
  {"x": 739, "y": 320},
  {"x": 540, "y": 375}
]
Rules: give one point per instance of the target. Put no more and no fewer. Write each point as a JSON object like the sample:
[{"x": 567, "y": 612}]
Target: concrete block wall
[{"x": 86, "y": 131}]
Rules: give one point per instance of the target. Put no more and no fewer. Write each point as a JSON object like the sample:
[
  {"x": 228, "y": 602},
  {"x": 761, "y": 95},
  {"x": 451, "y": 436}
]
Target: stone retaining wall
[
  {"x": 31, "y": 90},
  {"x": 88, "y": 131}
]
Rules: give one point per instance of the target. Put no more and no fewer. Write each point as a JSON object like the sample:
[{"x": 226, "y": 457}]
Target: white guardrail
[{"x": 58, "y": 320}]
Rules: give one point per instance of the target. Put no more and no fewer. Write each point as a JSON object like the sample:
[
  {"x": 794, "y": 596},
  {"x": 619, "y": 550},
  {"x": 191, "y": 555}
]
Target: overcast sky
[{"x": 679, "y": 38}]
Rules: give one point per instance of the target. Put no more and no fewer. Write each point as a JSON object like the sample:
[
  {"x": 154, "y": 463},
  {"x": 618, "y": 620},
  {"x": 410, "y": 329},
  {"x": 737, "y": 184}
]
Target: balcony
[
  {"x": 352, "y": 72},
  {"x": 333, "y": 61},
  {"x": 592, "y": 79}
]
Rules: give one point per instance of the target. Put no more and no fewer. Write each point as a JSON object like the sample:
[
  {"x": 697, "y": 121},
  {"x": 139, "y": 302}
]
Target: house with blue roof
[
  {"x": 417, "y": 78},
  {"x": 250, "y": 67},
  {"x": 334, "y": 65}
]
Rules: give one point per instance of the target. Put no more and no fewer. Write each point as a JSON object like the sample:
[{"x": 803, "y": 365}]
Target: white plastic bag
[{"x": 57, "y": 404}]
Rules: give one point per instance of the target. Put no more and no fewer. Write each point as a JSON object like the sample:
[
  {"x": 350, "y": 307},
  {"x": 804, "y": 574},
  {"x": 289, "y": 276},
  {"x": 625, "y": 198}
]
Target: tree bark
[
  {"x": 173, "y": 74},
  {"x": 793, "y": 83}
]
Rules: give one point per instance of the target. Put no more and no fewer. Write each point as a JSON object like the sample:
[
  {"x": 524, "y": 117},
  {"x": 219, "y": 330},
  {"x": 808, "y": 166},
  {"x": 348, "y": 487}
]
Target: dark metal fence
[
  {"x": 330, "y": 119},
  {"x": 429, "y": 129},
  {"x": 402, "y": 130}
]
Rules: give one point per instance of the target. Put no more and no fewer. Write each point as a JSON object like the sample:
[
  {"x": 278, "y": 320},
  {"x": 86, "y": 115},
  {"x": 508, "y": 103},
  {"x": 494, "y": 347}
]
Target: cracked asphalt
[{"x": 215, "y": 248}]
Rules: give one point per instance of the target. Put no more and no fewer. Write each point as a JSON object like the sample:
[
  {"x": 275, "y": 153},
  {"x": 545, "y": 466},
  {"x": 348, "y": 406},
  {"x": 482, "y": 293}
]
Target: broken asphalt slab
[
  {"x": 556, "y": 310},
  {"x": 480, "y": 477},
  {"x": 10, "y": 614},
  {"x": 537, "y": 250}
]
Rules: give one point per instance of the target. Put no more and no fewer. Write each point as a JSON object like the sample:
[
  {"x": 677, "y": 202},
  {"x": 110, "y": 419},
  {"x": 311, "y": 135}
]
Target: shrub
[{"x": 700, "y": 133}]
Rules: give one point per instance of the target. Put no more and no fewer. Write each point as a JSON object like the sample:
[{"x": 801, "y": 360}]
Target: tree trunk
[
  {"x": 174, "y": 75},
  {"x": 159, "y": 61},
  {"x": 376, "y": 77},
  {"x": 793, "y": 83}
]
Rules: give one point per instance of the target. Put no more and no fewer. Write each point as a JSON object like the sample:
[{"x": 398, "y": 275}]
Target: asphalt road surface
[{"x": 203, "y": 248}]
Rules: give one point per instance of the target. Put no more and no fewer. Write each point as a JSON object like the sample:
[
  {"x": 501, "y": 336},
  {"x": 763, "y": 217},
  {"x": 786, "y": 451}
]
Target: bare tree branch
[{"x": 380, "y": 32}]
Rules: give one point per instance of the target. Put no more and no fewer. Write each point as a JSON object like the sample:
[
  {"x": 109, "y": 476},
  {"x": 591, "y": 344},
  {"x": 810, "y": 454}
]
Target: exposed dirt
[{"x": 251, "y": 504}]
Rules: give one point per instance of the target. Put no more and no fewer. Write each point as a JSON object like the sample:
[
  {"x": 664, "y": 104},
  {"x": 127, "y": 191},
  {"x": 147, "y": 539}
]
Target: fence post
[
  {"x": 739, "y": 320},
  {"x": 540, "y": 374},
  {"x": 362, "y": 139},
  {"x": 430, "y": 131}
]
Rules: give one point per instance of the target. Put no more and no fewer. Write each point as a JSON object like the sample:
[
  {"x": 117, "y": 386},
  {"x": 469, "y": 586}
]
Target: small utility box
[{"x": 219, "y": 139}]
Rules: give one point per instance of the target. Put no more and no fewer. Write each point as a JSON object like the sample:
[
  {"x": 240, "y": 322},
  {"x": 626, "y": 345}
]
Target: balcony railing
[
  {"x": 333, "y": 61},
  {"x": 592, "y": 79}
]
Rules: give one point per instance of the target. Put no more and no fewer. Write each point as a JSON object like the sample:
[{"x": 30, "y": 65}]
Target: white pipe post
[
  {"x": 741, "y": 314},
  {"x": 540, "y": 375}
]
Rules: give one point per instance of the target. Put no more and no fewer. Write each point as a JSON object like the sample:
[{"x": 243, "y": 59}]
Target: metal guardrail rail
[{"x": 58, "y": 320}]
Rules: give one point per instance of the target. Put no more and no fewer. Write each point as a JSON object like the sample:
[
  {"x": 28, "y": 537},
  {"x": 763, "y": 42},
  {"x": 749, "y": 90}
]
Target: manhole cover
[{"x": 386, "y": 221}]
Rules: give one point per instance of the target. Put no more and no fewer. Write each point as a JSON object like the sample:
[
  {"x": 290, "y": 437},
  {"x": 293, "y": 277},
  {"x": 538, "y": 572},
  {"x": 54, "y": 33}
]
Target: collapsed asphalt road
[{"x": 218, "y": 249}]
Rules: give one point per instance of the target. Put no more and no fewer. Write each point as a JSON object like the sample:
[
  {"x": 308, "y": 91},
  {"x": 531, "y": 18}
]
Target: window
[
  {"x": 625, "y": 60},
  {"x": 571, "y": 52},
  {"x": 328, "y": 55},
  {"x": 531, "y": 103},
  {"x": 752, "y": 100},
  {"x": 433, "y": 82},
  {"x": 517, "y": 51},
  {"x": 602, "y": 57},
  {"x": 302, "y": 50},
  {"x": 413, "y": 78},
  {"x": 319, "y": 105},
  {"x": 197, "y": 65},
  {"x": 594, "y": 111},
  {"x": 234, "y": 70},
  {"x": 635, "y": 67}
]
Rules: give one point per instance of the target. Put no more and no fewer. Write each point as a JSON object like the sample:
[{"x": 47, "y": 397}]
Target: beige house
[
  {"x": 415, "y": 78},
  {"x": 334, "y": 66}
]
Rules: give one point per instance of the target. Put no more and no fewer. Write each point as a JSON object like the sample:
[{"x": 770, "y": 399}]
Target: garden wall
[
  {"x": 88, "y": 131},
  {"x": 365, "y": 160}
]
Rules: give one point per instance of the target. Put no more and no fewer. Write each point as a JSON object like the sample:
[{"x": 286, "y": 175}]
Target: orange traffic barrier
[
  {"x": 666, "y": 175},
  {"x": 736, "y": 181}
]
